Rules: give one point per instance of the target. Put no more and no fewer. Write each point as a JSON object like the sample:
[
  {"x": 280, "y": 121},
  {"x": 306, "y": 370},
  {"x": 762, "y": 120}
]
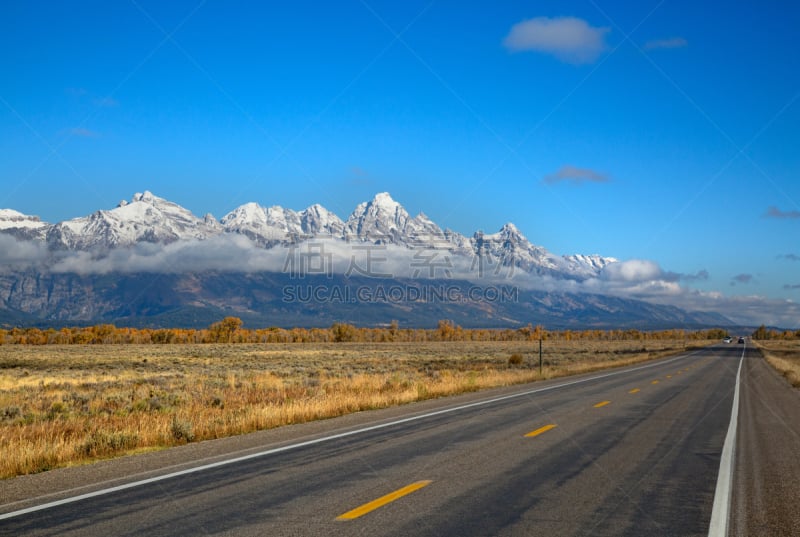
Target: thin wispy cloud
[
  {"x": 790, "y": 257},
  {"x": 792, "y": 287},
  {"x": 359, "y": 177},
  {"x": 774, "y": 212},
  {"x": 700, "y": 275},
  {"x": 672, "y": 42},
  {"x": 742, "y": 278},
  {"x": 569, "y": 39},
  {"x": 575, "y": 175}
]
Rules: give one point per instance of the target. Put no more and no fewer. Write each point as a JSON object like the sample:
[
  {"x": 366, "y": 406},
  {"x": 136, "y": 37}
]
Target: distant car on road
[
  {"x": 727, "y": 339},
  {"x": 741, "y": 340}
]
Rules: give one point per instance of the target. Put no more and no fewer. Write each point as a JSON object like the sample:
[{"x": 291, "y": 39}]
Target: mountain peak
[
  {"x": 22, "y": 226},
  {"x": 316, "y": 219},
  {"x": 11, "y": 214},
  {"x": 146, "y": 196},
  {"x": 508, "y": 233},
  {"x": 384, "y": 198},
  {"x": 382, "y": 219}
]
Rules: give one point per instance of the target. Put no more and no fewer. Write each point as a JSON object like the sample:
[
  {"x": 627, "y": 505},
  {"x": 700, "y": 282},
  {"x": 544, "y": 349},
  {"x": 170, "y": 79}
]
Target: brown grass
[
  {"x": 784, "y": 356},
  {"x": 64, "y": 405}
]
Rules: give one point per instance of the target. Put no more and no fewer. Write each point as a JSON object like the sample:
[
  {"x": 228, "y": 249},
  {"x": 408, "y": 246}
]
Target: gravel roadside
[{"x": 767, "y": 467}]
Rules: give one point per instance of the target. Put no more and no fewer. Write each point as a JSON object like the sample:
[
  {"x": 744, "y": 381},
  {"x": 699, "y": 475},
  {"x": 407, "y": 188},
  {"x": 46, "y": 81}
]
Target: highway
[{"x": 632, "y": 451}]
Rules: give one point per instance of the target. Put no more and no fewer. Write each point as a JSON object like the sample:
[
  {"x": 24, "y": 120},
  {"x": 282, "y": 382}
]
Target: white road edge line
[
  {"x": 720, "y": 513},
  {"x": 133, "y": 484}
]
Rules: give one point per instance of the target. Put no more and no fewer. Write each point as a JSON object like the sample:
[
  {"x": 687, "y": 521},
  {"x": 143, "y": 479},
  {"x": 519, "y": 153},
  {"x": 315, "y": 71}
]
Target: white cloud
[
  {"x": 634, "y": 270},
  {"x": 569, "y": 39},
  {"x": 636, "y": 278},
  {"x": 752, "y": 310},
  {"x": 224, "y": 253},
  {"x": 20, "y": 255},
  {"x": 575, "y": 175}
]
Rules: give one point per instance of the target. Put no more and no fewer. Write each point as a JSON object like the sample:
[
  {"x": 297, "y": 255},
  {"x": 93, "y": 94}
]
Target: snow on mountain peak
[
  {"x": 381, "y": 219},
  {"x": 506, "y": 234},
  {"x": 148, "y": 218},
  {"x": 21, "y": 225},
  {"x": 587, "y": 265},
  {"x": 145, "y": 196},
  {"x": 12, "y": 215},
  {"x": 250, "y": 213},
  {"x": 511, "y": 248},
  {"x": 316, "y": 220},
  {"x": 384, "y": 199}
]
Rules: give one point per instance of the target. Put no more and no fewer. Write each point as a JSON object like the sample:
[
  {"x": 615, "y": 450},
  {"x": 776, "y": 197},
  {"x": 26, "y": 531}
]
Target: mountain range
[
  {"x": 77, "y": 271},
  {"x": 148, "y": 218}
]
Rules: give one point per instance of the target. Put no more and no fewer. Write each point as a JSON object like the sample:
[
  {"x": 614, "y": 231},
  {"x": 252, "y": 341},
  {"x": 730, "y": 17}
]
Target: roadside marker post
[{"x": 540, "y": 355}]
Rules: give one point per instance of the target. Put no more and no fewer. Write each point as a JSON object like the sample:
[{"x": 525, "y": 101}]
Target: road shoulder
[{"x": 767, "y": 466}]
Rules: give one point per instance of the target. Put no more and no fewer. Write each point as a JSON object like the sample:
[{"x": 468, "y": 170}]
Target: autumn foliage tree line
[
  {"x": 230, "y": 330},
  {"x": 763, "y": 333}
]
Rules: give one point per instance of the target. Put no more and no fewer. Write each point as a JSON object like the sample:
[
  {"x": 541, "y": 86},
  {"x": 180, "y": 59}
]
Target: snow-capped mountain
[
  {"x": 274, "y": 225},
  {"x": 511, "y": 249},
  {"x": 264, "y": 226},
  {"x": 22, "y": 226},
  {"x": 234, "y": 266},
  {"x": 586, "y": 265},
  {"x": 382, "y": 220},
  {"x": 317, "y": 220},
  {"x": 146, "y": 218},
  {"x": 10, "y": 218}
]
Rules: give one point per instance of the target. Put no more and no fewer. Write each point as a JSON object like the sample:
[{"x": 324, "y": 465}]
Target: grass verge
[
  {"x": 784, "y": 356},
  {"x": 66, "y": 405}
]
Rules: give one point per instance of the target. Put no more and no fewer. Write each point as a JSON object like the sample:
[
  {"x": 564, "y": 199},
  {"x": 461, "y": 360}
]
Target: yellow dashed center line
[
  {"x": 654, "y": 382},
  {"x": 669, "y": 376},
  {"x": 602, "y": 403},
  {"x": 635, "y": 390},
  {"x": 383, "y": 500},
  {"x": 541, "y": 430}
]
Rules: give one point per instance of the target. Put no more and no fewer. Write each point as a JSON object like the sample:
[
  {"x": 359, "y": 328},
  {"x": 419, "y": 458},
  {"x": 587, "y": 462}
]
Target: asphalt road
[
  {"x": 766, "y": 493},
  {"x": 620, "y": 452}
]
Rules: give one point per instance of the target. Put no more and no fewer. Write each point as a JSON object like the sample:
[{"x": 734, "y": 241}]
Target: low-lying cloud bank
[{"x": 638, "y": 279}]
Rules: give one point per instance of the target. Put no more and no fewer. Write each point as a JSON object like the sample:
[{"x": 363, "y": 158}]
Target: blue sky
[{"x": 664, "y": 131}]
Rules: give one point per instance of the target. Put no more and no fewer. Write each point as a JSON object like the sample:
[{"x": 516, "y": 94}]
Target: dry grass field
[
  {"x": 65, "y": 405},
  {"x": 783, "y": 355}
]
